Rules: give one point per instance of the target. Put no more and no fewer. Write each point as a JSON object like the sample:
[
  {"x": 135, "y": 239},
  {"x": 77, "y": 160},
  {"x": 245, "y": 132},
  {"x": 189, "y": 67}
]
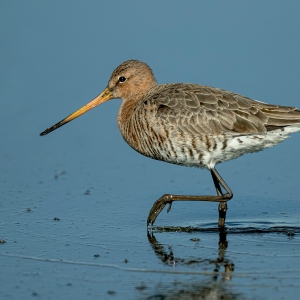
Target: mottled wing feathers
[{"x": 205, "y": 110}]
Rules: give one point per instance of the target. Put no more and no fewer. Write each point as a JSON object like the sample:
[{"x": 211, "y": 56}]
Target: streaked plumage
[{"x": 190, "y": 124}]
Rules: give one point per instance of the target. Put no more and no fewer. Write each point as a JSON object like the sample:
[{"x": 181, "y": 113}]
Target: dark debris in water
[
  {"x": 87, "y": 192},
  {"x": 141, "y": 287},
  {"x": 290, "y": 231},
  {"x": 156, "y": 297},
  {"x": 59, "y": 174},
  {"x": 111, "y": 292},
  {"x": 195, "y": 240}
]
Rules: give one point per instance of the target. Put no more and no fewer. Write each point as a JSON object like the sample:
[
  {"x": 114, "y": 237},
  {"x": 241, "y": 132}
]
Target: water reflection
[
  {"x": 167, "y": 256},
  {"x": 213, "y": 286}
]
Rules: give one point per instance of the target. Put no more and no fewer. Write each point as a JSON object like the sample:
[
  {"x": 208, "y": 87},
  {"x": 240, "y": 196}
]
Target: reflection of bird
[{"x": 190, "y": 125}]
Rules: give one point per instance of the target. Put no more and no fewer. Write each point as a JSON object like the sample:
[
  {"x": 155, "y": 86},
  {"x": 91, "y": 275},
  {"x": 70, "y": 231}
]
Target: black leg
[
  {"x": 159, "y": 205},
  {"x": 216, "y": 183},
  {"x": 222, "y": 205}
]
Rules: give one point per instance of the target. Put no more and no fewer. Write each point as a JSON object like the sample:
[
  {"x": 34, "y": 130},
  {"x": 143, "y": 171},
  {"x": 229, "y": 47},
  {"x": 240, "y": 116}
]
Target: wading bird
[{"x": 190, "y": 125}]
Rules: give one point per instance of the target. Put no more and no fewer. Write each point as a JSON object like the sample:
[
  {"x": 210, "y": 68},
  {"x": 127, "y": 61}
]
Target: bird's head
[{"x": 130, "y": 81}]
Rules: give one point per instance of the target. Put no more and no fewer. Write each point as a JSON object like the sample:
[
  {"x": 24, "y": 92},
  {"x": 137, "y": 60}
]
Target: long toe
[{"x": 157, "y": 207}]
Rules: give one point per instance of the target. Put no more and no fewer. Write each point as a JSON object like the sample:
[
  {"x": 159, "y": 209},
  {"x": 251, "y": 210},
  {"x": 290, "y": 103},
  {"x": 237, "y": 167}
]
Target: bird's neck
[
  {"x": 130, "y": 101},
  {"x": 125, "y": 112}
]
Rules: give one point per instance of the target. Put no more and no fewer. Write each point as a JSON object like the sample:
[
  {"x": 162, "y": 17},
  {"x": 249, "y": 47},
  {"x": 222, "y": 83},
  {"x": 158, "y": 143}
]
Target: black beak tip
[{"x": 45, "y": 132}]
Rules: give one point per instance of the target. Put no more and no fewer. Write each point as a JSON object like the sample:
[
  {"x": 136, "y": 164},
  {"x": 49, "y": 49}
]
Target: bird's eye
[{"x": 122, "y": 79}]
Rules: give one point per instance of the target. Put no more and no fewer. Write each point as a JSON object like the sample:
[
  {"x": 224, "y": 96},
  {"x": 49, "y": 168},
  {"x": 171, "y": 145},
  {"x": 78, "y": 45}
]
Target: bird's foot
[{"x": 158, "y": 206}]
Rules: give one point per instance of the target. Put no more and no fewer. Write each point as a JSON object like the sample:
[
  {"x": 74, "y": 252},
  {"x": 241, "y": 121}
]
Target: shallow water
[{"x": 65, "y": 234}]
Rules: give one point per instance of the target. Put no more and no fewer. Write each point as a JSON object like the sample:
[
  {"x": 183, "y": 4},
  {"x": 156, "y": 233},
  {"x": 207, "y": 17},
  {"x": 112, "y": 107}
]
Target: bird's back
[{"x": 196, "y": 125}]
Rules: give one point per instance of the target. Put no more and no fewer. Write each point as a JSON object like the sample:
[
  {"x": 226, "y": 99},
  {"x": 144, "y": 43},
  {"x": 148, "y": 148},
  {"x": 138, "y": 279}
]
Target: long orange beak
[{"x": 103, "y": 97}]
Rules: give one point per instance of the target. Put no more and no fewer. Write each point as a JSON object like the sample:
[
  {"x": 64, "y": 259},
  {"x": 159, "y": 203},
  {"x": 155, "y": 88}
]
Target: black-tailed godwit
[{"x": 190, "y": 125}]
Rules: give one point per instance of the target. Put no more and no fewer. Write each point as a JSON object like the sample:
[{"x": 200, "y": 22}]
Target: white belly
[{"x": 211, "y": 150}]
